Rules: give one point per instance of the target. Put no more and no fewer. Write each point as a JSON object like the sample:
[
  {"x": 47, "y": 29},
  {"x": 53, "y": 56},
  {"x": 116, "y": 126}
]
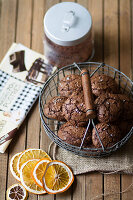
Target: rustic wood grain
[
  {"x": 33, "y": 130},
  {"x": 125, "y": 37},
  {"x": 111, "y": 57},
  {"x": 44, "y": 139},
  {"x": 131, "y": 15},
  {"x": 33, "y": 127},
  {"x": 3, "y": 178},
  {"x": 80, "y": 179},
  {"x": 126, "y": 67},
  {"x": 79, "y": 188},
  {"x": 96, "y": 10},
  {"x": 23, "y": 35},
  {"x": 7, "y": 35},
  {"x": 7, "y": 25},
  {"x": 94, "y": 181},
  {"x": 127, "y": 180},
  {"x": 37, "y": 26},
  {"x": 18, "y": 143},
  {"x": 48, "y": 4},
  {"x": 113, "y": 34},
  {"x": 65, "y": 195}
]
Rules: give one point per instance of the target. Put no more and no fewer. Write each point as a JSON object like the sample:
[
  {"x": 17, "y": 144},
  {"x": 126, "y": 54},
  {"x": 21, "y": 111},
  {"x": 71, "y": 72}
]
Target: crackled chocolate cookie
[
  {"x": 74, "y": 109},
  {"x": 74, "y": 134},
  {"x": 108, "y": 107},
  {"x": 69, "y": 84},
  {"x": 109, "y": 135},
  {"x": 53, "y": 109},
  {"x": 102, "y": 84},
  {"x": 127, "y": 107}
]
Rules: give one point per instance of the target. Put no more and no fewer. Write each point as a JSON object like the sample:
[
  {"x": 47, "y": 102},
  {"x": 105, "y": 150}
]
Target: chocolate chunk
[
  {"x": 39, "y": 72},
  {"x": 17, "y": 60}
]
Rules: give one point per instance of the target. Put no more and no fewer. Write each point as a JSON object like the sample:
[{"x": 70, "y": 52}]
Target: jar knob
[{"x": 68, "y": 21}]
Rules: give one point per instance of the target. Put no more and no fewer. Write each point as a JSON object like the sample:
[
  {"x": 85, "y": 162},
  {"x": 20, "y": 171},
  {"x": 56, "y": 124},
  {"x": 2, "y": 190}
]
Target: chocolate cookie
[
  {"x": 73, "y": 134},
  {"x": 74, "y": 109},
  {"x": 69, "y": 84},
  {"x": 108, "y": 107},
  {"x": 109, "y": 135},
  {"x": 53, "y": 109},
  {"x": 127, "y": 105},
  {"x": 102, "y": 84}
]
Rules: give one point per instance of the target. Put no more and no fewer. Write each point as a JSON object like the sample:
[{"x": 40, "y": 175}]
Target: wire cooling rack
[{"x": 50, "y": 90}]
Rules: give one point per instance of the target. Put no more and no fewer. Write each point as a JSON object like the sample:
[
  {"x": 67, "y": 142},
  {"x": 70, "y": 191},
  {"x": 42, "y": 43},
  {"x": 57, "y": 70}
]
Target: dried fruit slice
[
  {"x": 26, "y": 177},
  {"x": 31, "y": 154},
  {"x": 16, "y": 191},
  {"x": 57, "y": 178},
  {"x": 39, "y": 170},
  {"x": 13, "y": 166}
]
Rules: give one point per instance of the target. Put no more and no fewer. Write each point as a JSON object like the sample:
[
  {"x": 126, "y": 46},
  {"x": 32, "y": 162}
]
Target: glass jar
[{"x": 67, "y": 34}]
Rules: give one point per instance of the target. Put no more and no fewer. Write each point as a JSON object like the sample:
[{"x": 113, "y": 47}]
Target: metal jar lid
[{"x": 67, "y": 23}]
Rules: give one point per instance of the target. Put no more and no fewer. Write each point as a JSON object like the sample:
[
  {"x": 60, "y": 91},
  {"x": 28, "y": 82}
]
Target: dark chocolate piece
[
  {"x": 39, "y": 68},
  {"x": 17, "y": 60}
]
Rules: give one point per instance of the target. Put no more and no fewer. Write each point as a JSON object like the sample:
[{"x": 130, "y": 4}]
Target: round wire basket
[{"x": 50, "y": 90}]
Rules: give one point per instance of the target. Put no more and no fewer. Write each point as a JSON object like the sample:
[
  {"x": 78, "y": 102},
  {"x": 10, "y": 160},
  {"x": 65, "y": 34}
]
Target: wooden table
[{"x": 22, "y": 21}]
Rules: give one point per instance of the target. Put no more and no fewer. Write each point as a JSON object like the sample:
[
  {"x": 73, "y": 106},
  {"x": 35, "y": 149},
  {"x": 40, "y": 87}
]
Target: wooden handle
[{"x": 87, "y": 91}]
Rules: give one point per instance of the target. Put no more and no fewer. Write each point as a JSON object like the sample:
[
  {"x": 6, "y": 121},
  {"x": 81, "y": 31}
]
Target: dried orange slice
[
  {"x": 57, "y": 178},
  {"x": 16, "y": 191},
  {"x": 26, "y": 177},
  {"x": 13, "y": 166},
  {"x": 31, "y": 154},
  {"x": 39, "y": 170}
]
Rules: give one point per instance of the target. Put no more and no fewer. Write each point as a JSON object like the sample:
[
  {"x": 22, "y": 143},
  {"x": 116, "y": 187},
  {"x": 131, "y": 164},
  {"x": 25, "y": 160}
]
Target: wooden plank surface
[
  {"x": 111, "y": 56},
  {"x": 113, "y": 36},
  {"x": 44, "y": 139},
  {"x": 33, "y": 126},
  {"x": 125, "y": 60},
  {"x": 68, "y": 194},
  {"x": 7, "y": 36},
  {"x": 94, "y": 181},
  {"x": 23, "y": 35}
]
